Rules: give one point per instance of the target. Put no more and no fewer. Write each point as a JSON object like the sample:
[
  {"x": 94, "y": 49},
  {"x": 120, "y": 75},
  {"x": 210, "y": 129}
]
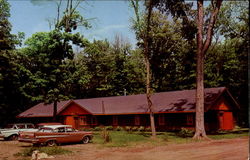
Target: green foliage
[
  {"x": 128, "y": 129},
  {"x": 118, "y": 128},
  {"x": 97, "y": 129},
  {"x": 134, "y": 129},
  {"x": 110, "y": 69},
  {"x": 147, "y": 129},
  {"x": 109, "y": 128},
  {"x": 48, "y": 150},
  {"x": 184, "y": 133},
  {"x": 50, "y": 51},
  {"x": 141, "y": 129}
]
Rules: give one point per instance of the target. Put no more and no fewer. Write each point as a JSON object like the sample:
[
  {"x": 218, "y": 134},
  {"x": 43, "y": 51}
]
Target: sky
[{"x": 108, "y": 18}]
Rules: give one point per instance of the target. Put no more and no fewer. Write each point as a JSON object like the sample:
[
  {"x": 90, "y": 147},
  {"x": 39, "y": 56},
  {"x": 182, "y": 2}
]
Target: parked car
[
  {"x": 53, "y": 135},
  {"x": 11, "y": 131}
]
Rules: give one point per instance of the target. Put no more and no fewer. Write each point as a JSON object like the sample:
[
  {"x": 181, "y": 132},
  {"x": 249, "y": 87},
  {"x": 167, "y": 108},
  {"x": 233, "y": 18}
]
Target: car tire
[
  {"x": 13, "y": 137},
  {"x": 51, "y": 143},
  {"x": 85, "y": 140}
]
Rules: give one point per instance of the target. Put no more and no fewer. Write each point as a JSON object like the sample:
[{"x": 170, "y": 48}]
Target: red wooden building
[{"x": 173, "y": 110}]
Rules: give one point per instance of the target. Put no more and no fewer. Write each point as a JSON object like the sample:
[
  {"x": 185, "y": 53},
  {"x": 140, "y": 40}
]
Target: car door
[
  {"x": 73, "y": 135},
  {"x": 62, "y": 136}
]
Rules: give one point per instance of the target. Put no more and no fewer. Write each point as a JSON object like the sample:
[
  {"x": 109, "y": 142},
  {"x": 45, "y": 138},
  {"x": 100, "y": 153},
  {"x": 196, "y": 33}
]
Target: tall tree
[
  {"x": 9, "y": 84},
  {"x": 55, "y": 47},
  {"x": 202, "y": 47},
  {"x": 143, "y": 28},
  {"x": 179, "y": 9},
  {"x": 70, "y": 21}
]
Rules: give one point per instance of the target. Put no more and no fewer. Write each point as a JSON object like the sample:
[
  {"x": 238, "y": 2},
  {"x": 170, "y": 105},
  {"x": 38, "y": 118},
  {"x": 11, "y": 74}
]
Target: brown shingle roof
[
  {"x": 174, "y": 101},
  {"x": 43, "y": 110}
]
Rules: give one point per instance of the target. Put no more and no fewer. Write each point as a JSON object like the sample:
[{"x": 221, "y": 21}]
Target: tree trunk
[
  {"x": 54, "y": 111},
  {"x": 148, "y": 94},
  {"x": 146, "y": 54},
  {"x": 201, "y": 51}
]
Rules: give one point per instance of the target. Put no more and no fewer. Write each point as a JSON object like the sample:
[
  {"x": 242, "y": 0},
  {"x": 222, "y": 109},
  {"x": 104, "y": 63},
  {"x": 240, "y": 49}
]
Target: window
[
  {"x": 48, "y": 130},
  {"x": 68, "y": 129},
  {"x": 190, "y": 119},
  {"x": 161, "y": 119},
  {"x": 115, "y": 120},
  {"x": 62, "y": 129},
  {"x": 94, "y": 121},
  {"x": 30, "y": 126},
  {"x": 83, "y": 120},
  {"x": 137, "y": 120},
  {"x": 20, "y": 126}
]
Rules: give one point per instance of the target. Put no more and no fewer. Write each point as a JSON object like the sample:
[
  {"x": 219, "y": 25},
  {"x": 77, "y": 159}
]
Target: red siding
[
  {"x": 74, "y": 109},
  {"x": 222, "y": 104}
]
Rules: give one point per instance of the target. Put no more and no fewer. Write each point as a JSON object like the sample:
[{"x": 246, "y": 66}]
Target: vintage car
[
  {"x": 10, "y": 132},
  {"x": 53, "y": 135}
]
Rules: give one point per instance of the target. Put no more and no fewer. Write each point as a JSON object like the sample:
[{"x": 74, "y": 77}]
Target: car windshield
[
  {"x": 20, "y": 126},
  {"x": 10, "y": 126}
]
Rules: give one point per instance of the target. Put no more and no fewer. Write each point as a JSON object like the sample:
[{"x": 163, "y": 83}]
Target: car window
[
  {"x": 30, "y": 126},
  {"x": 61, "y": 129},
  {"x": 47, "y": 130},
  {"x": 20, "y": 126},
  {"x": 68, "y": 129}
]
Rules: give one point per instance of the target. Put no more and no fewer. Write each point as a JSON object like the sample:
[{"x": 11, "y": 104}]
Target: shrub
[
  {"x": 148, "y": 129},
  {"x": 106, "y": 136},
  {"x": 118, "y": 128},
  {"x": 141, "y": 129},
  {"x": 128, "y": 128},
  {"x": 109, "y": 128},
  {"x": 134, "y": 129},
  {"x": 184, "y": 132},
  {"x": 97, "y": 129}
]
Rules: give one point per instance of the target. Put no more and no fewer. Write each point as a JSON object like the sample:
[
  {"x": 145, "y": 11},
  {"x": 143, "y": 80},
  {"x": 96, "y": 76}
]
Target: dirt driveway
[{"x": 227, "y": 149}]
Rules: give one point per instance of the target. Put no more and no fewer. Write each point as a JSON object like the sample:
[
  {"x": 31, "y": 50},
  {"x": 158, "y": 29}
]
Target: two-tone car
[
  {"x": 11, "y": 131},
  {"x": 53, "y": 135}
]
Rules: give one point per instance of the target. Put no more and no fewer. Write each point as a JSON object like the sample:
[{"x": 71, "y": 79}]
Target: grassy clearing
[
  {"x": 240, "y": 132},
  {"x": 123, "y": 138},
  {"x": 49, "y": 150}
]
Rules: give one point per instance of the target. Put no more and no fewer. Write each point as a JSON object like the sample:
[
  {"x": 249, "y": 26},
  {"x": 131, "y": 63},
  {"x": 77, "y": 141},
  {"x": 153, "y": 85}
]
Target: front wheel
[
  {"x": 85, "y": 140},
  {"x": 13, "y": 137},
  {"x": 51, "y": 143}
]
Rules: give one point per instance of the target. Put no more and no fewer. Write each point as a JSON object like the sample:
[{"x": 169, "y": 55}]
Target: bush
[
  {"x": 184, "y": 132},
  {"x": 109, "y": 128},
  {"x": 148, "y": 129},
  {"x": 141, "y": 129},
  {"x": 118, "y": 128},
  {"x": 97, "y": 129},
  {"x": 128, "y": 128},
  {"x": 106, "y": 136},
  {"x": 134, "y": 129}
]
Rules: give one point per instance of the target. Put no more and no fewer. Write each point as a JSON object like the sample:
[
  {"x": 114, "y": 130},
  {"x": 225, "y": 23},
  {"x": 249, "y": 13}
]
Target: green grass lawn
[{"x": 123, "y": 138}]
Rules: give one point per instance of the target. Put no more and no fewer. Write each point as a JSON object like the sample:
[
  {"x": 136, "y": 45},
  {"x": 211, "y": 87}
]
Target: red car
[{"x": 53, "y": 135}]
